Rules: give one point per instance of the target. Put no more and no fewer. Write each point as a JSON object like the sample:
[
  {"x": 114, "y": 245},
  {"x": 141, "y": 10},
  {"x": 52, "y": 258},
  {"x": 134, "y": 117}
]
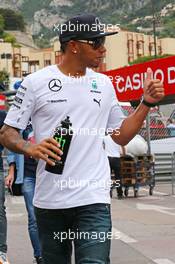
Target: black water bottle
[{"x": 63, "y": 135}]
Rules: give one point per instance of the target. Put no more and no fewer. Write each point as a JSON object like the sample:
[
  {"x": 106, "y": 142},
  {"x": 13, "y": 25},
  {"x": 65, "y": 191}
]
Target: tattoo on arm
[
  {"x": 11, "y": 139},
  {"x": 16, "y": 141}
]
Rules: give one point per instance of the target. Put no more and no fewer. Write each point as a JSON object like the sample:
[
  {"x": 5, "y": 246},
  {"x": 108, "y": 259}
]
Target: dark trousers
[
  {"x": 115, "y": 167},
  {"x": 88, "y": 227}
]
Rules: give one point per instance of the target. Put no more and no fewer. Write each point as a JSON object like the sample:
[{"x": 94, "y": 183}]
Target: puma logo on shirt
[{"x": 97, "y": 101}]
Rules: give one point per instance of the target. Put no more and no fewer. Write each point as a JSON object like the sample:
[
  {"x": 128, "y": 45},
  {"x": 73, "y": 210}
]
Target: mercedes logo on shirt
[{"x": 55, "y": 85}]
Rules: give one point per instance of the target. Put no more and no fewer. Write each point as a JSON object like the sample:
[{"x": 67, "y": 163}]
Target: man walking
[
  {"x": 75, "y": 205},
  {"x": 25, "y": 168},
  {"x": 113, "y": 152}
]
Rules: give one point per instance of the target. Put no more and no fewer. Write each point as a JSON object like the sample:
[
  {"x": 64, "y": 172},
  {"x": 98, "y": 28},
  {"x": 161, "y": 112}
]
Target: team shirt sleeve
[
  {"x": 116, "y": 115},
  {"x": 22, "y": 106}
]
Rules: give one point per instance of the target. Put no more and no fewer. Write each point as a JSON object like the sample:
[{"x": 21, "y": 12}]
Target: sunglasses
[{"x": 95, "y": 43}]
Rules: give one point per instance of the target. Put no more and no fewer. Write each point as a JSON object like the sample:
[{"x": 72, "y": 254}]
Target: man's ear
[{"x": 73, "y": 46}]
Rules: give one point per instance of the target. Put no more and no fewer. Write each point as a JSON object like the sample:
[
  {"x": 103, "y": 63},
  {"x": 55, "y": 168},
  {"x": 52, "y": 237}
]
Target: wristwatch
[{"x": 147, "y": 103}]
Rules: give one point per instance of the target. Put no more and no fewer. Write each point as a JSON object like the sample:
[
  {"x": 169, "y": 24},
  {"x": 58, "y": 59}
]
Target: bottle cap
[{"x": 66, "y": 123}]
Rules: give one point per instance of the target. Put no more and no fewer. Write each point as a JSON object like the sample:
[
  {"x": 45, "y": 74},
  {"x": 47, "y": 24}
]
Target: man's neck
[{"x": 72, "y": 68}]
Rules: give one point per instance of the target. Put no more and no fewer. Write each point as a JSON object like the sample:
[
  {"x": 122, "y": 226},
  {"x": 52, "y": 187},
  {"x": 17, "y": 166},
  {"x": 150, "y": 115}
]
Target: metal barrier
[{"x": 163, "y": 166}]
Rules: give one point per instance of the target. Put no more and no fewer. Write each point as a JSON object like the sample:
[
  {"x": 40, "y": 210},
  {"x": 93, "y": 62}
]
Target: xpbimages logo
[
  {"x": 86, "y": 131},
  {"x": 83, "y": 27},
  {"x": 71, "y": 183},
  {"x": 100, "y": 236}
]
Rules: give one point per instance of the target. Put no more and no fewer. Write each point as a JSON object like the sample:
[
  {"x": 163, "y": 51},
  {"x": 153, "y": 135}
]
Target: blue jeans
[
  {"x": 3, "y": 220},
  {"x": 87, "y": 226},
  {"x": 28, "y": 192}
]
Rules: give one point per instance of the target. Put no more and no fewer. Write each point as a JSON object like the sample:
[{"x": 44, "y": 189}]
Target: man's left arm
[{"x": 153, "y": 93}]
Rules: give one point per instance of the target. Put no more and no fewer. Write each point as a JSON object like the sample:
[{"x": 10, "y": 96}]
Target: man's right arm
[{"x": 11, "y": 139}]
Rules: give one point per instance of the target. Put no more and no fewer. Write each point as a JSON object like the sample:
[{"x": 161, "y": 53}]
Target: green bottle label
[{"x": 61, "y": 141}]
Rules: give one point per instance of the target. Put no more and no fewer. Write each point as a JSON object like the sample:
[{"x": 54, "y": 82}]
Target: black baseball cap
[{"x": 83, "y": 27}]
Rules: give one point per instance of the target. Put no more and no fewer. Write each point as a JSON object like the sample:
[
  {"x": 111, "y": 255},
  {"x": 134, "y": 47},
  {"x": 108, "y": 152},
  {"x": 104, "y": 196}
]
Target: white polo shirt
[
  {"x": 48, "y": 96},
  {"x": 112, "y": 149}
]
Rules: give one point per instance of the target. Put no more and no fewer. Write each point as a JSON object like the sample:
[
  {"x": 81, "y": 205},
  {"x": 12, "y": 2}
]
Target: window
[{"x": 47, "y": 62}]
